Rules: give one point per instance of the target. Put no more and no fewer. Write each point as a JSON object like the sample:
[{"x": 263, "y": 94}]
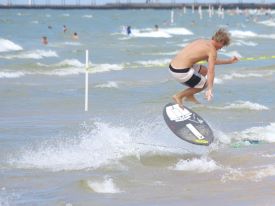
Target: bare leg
[
  {"x": 188, "y": 94},
  {"x": 192, "y": 98},
  {"x": 178, "y": 98}
]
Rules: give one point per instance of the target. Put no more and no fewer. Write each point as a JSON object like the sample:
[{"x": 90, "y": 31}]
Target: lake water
[{"x": 120, "y": 152}]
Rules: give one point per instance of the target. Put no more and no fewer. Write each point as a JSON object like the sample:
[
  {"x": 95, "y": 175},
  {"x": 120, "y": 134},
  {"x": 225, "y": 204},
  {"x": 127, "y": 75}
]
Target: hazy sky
[{"x": 134, "y": 1}]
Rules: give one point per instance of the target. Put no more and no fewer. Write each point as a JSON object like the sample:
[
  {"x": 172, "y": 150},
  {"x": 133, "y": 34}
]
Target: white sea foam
[
  {"x": 267, "y": 36},
  {"x": 63, "y": 68},
  {"x": 8, "y": 196},
  {"x": 74, "y": 66},
  {"x": 264, "y": 172},
  {"x": 69, "y": 62},
  {"x": 92, "y": 150},
  {"x": 250, "y": 34},
  {"x": 244, "y": 43},
  {"x": 124, "y": 38},
  {"x": 151, "y": 34},
  {"x": 11, "y": 74},
  {"x": 242, "y": 105},
  {"x": 110, "y": 84},
  {"x": 72, "y": 43},
  {"x": 103, "y": 145},
  {"x": 7, "y": 45},
  {"x": 64, "y": 63},
  {"x": 232, "y": 175},
  {"x": 265, "y": 133},
  {"x": 254, "y": 174},
  {"x": 269, "y": 22},
  {"x": 87, "y": 16},
  {"x": 183, "y": 45},
  {"x": 218, "y": 80},
  {"x": 163, "y": 53},
  {"x": 161, "y": 33},
  {"x": 4, "y": 201},
  {"x": 35, "y": 22},
  {"x": 21, "y": 14},
  {"x": 268, "y": 155},
  {"x": 242, "y": 34},
  {"x": 222, "y": 137},
  {"x": 97, "y": 68},
  {"x": 36, "y": 54},
  {"x": 64, "y": 72},
  {"x": 177, "y": 31},
  {"x": 154, "y": 63},
  {"x": 106, "y": 186},
  {"x": 65, "y": 14},
  {"x": 246, "y": 105},
  {"x": 235, "y": 75},
  {"x": 200, "y": 165}
]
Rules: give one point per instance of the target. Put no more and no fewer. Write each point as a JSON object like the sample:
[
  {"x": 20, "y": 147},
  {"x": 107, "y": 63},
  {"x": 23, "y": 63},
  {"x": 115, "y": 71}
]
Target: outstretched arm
[
  {"x": 227, "y": 61},
  {"x": 210, "y": 75}
]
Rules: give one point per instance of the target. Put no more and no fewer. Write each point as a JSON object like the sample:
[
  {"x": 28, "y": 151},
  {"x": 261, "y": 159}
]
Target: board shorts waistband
[
  {"x": 178, "y": 70},
  {"x": 189, "y": 76}
]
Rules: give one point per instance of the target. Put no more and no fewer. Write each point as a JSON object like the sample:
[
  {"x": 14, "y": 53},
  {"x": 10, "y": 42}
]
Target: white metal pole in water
[
  {"x": 172, "y": 17},
  {"x": 209, "y": 11},
  {"x": 86, "y": 80},
  {"x": 200, "y": 12}
]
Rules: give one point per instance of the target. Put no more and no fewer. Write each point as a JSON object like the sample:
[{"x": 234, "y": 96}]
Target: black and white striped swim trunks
[{"x": 189, "y": 76}]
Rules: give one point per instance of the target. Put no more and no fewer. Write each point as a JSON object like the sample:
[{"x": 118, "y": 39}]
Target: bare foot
[
  {"x": 178, "y": 101},
  {"x": 192, "y": 99}
]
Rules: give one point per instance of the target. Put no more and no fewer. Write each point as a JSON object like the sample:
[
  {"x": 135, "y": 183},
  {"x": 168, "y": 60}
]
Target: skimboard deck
[{"x": 187, "y": 125}]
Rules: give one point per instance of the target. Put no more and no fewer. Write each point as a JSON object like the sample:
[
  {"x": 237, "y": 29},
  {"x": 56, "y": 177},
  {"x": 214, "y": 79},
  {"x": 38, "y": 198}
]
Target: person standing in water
[
  {"x": 75, "y": 36},
  {"x": 65, "y": 28},
  {"x": 44, "y": 40},
  {"x": 156, "y": 27},
  {"x": 128, "y": 30},
  {"x": 184, "y": 67}
]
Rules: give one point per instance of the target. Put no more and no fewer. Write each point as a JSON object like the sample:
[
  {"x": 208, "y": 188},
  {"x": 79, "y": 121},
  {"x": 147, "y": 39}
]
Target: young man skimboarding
[{"x": 184, "y": 67}]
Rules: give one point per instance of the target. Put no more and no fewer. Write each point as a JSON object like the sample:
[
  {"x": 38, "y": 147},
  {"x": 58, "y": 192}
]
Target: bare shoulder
[
  {"x": 200, "y": 44},
  {"x": 212, "y": 50},
  {"x": 200, "y": 41}
]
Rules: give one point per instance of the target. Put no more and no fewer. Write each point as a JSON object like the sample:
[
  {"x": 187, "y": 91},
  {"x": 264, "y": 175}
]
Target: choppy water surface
[{"x": 121, "y": 152}]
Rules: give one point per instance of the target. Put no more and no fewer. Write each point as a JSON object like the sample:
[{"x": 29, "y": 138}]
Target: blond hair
[{"x": 222, "y": 36}]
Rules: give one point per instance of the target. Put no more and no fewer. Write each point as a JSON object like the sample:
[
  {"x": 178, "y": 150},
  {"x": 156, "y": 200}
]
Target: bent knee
[
  {"x": 203, "y": 70},
  {"x": 204, "y": 86}
]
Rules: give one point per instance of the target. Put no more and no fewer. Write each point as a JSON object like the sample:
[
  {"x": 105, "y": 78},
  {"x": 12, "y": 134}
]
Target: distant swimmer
[
  {"x": 75, "y": 36},
  {"x": 184, "y": 67},
  {"x": 44, "y": 40},
  {"x": 65, "y": 28},
  {"x": 156, "y": 27},
  {"x": 128, "y": 30}
]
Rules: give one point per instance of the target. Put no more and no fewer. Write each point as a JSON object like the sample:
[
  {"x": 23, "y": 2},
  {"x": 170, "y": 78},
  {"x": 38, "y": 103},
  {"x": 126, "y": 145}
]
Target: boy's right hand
[{"x": 209, "y": 94}]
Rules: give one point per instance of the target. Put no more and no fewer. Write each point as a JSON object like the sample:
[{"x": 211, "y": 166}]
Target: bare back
[{"x": 194, "y": 52}]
